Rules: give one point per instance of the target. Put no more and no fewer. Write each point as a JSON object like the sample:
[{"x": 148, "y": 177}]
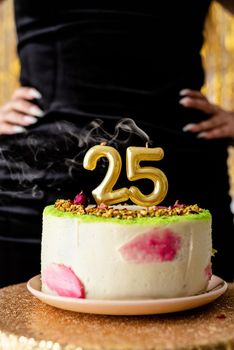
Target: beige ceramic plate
[{"x": 215, "y": 288}]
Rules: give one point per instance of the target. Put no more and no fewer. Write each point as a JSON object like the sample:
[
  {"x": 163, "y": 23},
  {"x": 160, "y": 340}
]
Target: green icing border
[{"x": 204, "y": 215}]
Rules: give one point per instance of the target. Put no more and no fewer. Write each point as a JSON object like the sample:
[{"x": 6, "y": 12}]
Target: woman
[{"x": 97, "y": 62}]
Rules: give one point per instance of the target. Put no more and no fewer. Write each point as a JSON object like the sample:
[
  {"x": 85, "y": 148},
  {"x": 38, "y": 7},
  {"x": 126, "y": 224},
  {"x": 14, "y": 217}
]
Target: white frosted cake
[{"x": 125, "y": 252}]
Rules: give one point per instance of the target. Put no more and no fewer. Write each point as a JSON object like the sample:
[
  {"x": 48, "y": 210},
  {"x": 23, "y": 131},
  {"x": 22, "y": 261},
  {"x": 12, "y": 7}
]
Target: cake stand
[{"x": 27, "y": 323}]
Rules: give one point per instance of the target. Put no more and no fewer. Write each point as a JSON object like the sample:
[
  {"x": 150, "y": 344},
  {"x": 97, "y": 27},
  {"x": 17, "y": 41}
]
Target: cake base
[{"x": 27, "y": 323}]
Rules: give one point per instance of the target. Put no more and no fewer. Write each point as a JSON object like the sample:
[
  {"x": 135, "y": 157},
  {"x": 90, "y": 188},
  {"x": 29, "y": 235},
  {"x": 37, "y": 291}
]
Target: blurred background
[{"x": 218, "y": 55}]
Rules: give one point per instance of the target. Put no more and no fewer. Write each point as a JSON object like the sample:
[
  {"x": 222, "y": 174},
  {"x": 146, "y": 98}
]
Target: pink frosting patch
[
  {"x": 63, "y": 281},
  {"x": 153, "y": 246},
  {"x": 208, "y": 271}
]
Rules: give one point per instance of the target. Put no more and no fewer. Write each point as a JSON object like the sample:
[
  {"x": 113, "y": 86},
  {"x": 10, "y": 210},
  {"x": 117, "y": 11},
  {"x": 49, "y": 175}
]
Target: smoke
[
  {"x": 129, "y": 126},
  {"x": 95, "y": 133},
  {"x": 50, "y": 156}
]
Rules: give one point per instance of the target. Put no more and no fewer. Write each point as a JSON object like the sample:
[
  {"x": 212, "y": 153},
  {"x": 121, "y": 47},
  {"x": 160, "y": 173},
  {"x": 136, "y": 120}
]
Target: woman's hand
[
  {"x": 19, "y": 111},
  {"x": 220, "y": 123}
]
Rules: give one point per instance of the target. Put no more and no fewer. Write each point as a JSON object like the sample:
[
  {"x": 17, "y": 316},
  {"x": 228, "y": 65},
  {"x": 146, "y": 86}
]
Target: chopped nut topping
[{"x": 126, "y": 213}]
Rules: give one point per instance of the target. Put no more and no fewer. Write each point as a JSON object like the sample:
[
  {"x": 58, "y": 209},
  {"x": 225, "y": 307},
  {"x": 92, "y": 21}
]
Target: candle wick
[
  {"x": 147, "y": 144},
  {"x": 104, "y": 143}
]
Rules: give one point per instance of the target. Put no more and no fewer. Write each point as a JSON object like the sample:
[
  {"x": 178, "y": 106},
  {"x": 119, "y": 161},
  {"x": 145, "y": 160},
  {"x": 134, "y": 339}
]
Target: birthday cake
[{"x": 125, "y": 252}]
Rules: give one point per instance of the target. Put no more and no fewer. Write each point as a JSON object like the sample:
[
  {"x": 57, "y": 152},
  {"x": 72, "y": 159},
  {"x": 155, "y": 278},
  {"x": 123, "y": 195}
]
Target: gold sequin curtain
[
  {"x": 218, "y": 53},
  {"x": 9, "y": 67}
]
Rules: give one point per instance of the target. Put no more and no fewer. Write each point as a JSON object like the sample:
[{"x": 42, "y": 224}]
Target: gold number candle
[
  {"x": 104, "y": 192},
  {"x": 135, "y": 172}
]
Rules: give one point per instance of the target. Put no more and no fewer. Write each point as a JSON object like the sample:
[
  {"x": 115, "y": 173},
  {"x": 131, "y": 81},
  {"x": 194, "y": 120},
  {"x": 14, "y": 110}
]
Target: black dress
[{"x": 95, "y": 63}]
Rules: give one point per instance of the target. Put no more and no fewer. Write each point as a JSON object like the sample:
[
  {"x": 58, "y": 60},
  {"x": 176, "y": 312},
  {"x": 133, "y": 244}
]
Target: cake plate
[{"x": 216, "y": 288}]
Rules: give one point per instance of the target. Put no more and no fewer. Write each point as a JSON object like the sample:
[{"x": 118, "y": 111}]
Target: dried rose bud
[
  {"x": 221, "y": 316},
  {"x": 178, "y": 205},
  {"x": 81, "y": 199}
]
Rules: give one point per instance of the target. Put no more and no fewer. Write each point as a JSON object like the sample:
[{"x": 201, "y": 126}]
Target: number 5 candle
[{"x": 135, "y": 172}]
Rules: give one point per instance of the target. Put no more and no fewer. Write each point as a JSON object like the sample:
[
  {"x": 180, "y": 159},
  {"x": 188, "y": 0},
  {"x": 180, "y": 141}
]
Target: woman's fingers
[
  {"x": 9, "y": 129},
  {"x": 211, "y": 123},
  {"x": 220, "y": 132},
  {"x": 18, "y": 119},
  {"x": 192, "y": 93},
  {"x": 20, "y": 111},
  {"x": 220, "y": 123},
  {"x": 22, "y": 106},
  {"x": 13, "y": 122},
  {"x": 201, "y": 104},
  {"x": 26, "y": 93}
]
